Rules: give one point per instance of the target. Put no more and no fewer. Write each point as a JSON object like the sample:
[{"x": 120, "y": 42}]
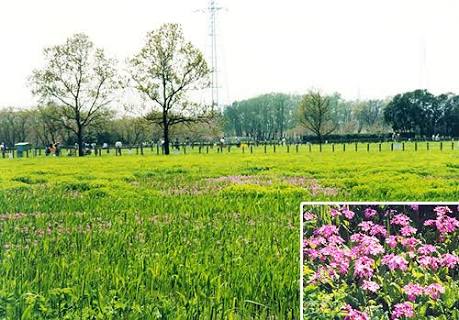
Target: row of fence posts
[
  {"x": 139, "y": 150},
  {"x": 356, "y": 147}
]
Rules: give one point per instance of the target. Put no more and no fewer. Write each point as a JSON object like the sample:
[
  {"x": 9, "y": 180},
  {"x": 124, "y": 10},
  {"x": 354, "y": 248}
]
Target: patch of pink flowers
[
  {"x": 353, "y": 314},
  {"x": 373, "y": 251},
  {"x": 403, "y": 310}
]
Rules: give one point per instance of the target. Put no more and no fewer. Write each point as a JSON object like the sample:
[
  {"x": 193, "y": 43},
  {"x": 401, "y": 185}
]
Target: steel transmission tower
[{"x": 212, "y": 10}]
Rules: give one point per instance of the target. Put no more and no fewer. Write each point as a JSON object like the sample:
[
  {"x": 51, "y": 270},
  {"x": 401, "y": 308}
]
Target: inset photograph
[{"x": 385, "y": 261}]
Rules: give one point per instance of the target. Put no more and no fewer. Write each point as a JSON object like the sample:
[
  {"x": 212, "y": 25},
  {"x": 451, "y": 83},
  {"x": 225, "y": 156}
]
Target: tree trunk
[
  {"x": 166, "y": 139},
  {"x": 80, "y": 141},
  {"x": 319, "y": 136}
]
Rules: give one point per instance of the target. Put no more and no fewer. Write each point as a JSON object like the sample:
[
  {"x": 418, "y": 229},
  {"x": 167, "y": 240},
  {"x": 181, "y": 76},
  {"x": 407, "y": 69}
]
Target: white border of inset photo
[{"x": 350, "y": 203}]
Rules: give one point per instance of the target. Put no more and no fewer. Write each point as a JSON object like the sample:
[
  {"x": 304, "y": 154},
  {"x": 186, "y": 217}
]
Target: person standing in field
[
  {"x": 57, "y": 150},
  {"x": 222, "y": 142},
  {"x": 48, "y": 149},
  {"x": 118, "y": 146},
  {"x": 177, "y": 144}
]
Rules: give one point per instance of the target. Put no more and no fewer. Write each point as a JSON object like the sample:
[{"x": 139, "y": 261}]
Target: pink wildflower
[
  {"x": 348, "y": 213},
  {"x": 353, "y": 314},
  {"x": 444, "y": 223},
  {"x": 401, "y": 220},
  {"x": 370, "y": 213},
  {"x": 391, "y": 241},
  {"x": 366, "y": 226},
  {"x": 326, "y": 230},
  {"x": 370, "y": 286},
  {"x": 404, "y": 309},
  {"x": 449, "y": 260},
  {"x": 429, "y": 262},
  {"x": 394, "y": 262},
  {"x": 335, "y": 213},
  {"x": 366, "y": 245},
  {"x": 434, "y": 290},
  {"x": 427, "y": 249},
  {"x": 407, "y": 231},
  {"x": 308, "y": 216},
  {"x": 363, "y": 267},
  {"x": 409, "y": 243},
  {"x": 413, "y": 290}
]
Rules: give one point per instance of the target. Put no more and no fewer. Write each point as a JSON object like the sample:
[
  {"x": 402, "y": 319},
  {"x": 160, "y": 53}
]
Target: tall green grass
[{"x": 195, "y": 236}]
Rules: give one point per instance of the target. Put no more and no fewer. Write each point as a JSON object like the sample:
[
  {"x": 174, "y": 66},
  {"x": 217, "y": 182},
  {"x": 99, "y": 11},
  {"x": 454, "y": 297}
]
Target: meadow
[
  {"x": 185, "y": 236},
  {"x": 381, "y": 262}
]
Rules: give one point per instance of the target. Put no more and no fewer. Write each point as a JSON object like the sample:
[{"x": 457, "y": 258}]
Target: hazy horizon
[{"x": 366, "y": 49}]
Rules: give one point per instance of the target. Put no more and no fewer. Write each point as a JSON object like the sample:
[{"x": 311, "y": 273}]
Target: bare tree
[
  {"x": 80, "y": 79},
  {"x": 316, "y": 114},
  {"x": 165, "y": 71}
]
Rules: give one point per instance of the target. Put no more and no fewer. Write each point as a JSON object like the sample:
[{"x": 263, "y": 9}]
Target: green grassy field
[{"x": 196, "y": 236}]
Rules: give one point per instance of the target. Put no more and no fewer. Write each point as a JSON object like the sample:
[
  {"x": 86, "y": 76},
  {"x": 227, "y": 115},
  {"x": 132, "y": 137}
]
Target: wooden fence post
[
  {"x": 379, "y": 147},
  {"x": 392, "y": 146},
  {"x": 428, "y": 148},
  {"x": 356, "y": 147},
  {"x": 415, "y": 146},
  {"x": 297, "y": 148}
]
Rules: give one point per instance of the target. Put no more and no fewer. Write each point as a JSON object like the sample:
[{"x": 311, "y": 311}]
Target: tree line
[{"x": 79, "y": 86}]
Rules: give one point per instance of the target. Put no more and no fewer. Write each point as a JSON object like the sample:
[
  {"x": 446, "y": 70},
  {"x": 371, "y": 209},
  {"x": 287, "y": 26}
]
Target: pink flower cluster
[
  {"x": 444, "y": 223},
  {"x": 363, "y": 245},
  {"x": 353, "y": 314},
  {"x": 413, "y": 290},
  {"x": 403, "y": 310}
]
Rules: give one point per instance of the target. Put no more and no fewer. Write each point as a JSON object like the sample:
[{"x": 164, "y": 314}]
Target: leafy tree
[
  {"x": 78, "y": 78},
  {"x": 46, "y": 125},
  {"x": 165, "y": 71},
  {"x": 264, "y": 117},
  {"x": 13, "y": 125},
  {"x": 418, "y": 111},
  {"x": 402, "y": 114},
  {"x": 132, "y": 130},
  {"x": 315, "y": 113},
  {"x": 450, "y": 122},
  {"x": 369, "y": 113}
]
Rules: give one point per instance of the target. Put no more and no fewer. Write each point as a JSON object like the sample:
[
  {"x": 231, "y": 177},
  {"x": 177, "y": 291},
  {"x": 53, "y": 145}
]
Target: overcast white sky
[{"x": 366, "y": 48}]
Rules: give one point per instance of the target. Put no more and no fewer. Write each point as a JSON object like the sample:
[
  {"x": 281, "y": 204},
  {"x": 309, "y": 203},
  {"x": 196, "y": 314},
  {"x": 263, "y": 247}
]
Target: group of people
[{"x": 53, "y": 149}]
